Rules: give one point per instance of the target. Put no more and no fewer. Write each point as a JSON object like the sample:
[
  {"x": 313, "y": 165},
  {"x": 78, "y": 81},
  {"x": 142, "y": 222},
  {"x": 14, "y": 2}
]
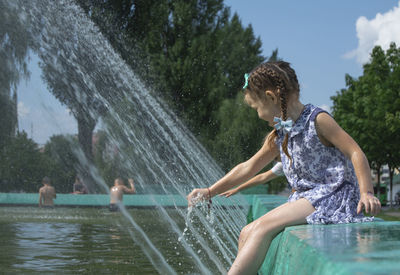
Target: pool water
[{"x": 86, "y": 240}]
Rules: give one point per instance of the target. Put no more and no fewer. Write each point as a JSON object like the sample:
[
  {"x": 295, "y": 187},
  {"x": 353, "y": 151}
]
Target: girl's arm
[
  {"x": 330, "y": 132},
  {"x": 240, "y": 173},
  {"x": 259, "y": 179}
]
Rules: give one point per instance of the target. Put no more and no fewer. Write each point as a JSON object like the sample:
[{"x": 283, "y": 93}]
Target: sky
[{"x": 323, "y": 40}]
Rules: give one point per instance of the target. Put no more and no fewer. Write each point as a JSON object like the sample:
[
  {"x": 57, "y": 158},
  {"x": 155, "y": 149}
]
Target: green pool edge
[
  {"x": 356, "y": 248},
  {"x": 103, "y": 200}
]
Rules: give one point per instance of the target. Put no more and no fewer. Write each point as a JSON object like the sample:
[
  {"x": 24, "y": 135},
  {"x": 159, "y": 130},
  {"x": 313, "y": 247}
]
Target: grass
[
  {"x": 385, "y": 214},
  {"x": 388, "y": 217}
]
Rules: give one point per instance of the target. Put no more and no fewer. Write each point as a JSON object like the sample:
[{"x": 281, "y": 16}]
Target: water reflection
[
  {"x": 44, "y": 246},
  {"x": 86, "y": 240},
  {"x": 7, "y": 244},
  {"x": 355, "y": 243}
]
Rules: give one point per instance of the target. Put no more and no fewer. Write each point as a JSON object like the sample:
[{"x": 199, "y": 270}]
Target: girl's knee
[
  {"x": 267, "y": 227},
  {"x": 246, "y": 230}
]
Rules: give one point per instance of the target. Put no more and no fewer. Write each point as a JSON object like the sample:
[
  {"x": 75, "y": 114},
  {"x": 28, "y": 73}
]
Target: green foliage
[
  {"x": 277, "y": 185},
  {"x": 59, "y": 150},
  {"x": 13, "y": 54},
  {"x": 241, "y": 132},
  {"x": 22, "y": 165},
  {"x": 106, "y": 158},
  {"x": 193, "y": 52},
  {"x": 368, "y": 109},
  {"x": 62, "y": 150}
]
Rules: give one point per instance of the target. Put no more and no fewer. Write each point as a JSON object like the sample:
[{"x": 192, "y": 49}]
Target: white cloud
[
  {"x": 326, "y": 108},
  {"x": 381, "y": 30},
  {"x": 23, "y": 110}
]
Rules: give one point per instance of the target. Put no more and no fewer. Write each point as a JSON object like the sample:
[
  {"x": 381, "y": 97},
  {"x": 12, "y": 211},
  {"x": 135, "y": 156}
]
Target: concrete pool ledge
[{"x": 363, "y": 248}]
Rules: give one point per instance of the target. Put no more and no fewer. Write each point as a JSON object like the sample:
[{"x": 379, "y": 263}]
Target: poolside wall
[
  {"x": 103, "y": 200},
  {"x": 363, "y": 248}
]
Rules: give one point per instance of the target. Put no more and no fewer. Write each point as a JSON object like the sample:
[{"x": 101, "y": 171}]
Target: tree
[
  {"x": 22, "y": 165},
  {"x": 241, "y": 132},
  {"x": 63, "y": 163},
  {"x": 13, "y": 54},
  {"x": 352, "y": 113},
  {"x": 66, "y": 58},
  {"x": 369, "y": 109},
  {"x": 107, "y": 158},
  {"x": 193, "y": 53},
  {"x": 390, "y": 97},
  {"x": 65, "y": 67}
]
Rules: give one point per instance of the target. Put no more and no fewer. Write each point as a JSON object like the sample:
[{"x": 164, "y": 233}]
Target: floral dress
[{"x": 321, "y": 174}]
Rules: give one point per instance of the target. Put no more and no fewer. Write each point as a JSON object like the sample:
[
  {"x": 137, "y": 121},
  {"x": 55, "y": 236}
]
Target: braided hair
[{"x": 279, "y": 78}]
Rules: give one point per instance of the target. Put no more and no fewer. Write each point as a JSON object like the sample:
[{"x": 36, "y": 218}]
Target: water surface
[{"x": 87, "y": 240}]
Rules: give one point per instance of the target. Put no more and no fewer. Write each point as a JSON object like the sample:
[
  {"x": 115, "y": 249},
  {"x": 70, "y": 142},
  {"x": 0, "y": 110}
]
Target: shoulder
[
  {"x": 325, "y": 122},
  {"x": 330, "y": 131},
  {"x": 325, "y": 125},
  {"x": 314, "y": 112}
]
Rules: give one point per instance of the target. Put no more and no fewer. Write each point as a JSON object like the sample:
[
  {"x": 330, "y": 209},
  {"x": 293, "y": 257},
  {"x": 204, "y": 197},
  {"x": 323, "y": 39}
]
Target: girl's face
[{"x": 267, "y": 108}]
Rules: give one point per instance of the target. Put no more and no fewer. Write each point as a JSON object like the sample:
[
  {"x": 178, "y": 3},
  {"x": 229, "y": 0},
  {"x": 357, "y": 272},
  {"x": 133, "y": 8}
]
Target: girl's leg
[
  {"x": 244, "y": 234},
  {"x": 259, "y": 235}
]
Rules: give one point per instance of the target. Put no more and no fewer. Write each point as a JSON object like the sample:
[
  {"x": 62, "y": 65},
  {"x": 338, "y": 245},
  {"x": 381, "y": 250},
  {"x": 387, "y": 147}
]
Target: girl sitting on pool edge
[{"x": 323, "y": 164}]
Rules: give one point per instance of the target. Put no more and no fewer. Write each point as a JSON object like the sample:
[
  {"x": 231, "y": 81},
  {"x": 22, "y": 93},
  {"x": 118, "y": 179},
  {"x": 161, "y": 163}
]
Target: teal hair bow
[
  {"x": 285, "y": 125},
  {"x": 246, "y": 81}
]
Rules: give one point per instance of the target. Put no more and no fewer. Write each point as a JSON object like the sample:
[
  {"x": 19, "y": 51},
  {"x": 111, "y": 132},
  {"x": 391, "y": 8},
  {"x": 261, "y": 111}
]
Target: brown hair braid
[{"x": 281, "y": 79}]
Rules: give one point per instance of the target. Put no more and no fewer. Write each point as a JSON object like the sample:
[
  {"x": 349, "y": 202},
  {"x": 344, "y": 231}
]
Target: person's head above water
[
  {"x": 119, "y": 181},
  {"x": 46, "y": 180},
  {"x": 272, "y": 88}
]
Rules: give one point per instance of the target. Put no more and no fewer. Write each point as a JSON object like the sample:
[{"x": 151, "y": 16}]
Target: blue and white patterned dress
[{"x": 323, "y": 175}]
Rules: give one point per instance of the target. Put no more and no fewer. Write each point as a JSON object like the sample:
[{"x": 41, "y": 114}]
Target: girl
[
  {"x": 323, "y": 164},
  {"x": 276, "y": 171}
]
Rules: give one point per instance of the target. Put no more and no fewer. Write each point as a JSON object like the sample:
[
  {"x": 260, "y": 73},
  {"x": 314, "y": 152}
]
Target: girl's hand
[
  {"x": 197, "y": 195},
  {"x": 370, "y": 203},
  {"x": 229, "y": 193}
]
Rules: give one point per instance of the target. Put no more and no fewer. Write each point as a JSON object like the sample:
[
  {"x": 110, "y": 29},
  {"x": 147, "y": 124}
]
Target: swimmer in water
[
  {"x": 117, "y": 192},
  {"x": 46, "y": 194}
]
